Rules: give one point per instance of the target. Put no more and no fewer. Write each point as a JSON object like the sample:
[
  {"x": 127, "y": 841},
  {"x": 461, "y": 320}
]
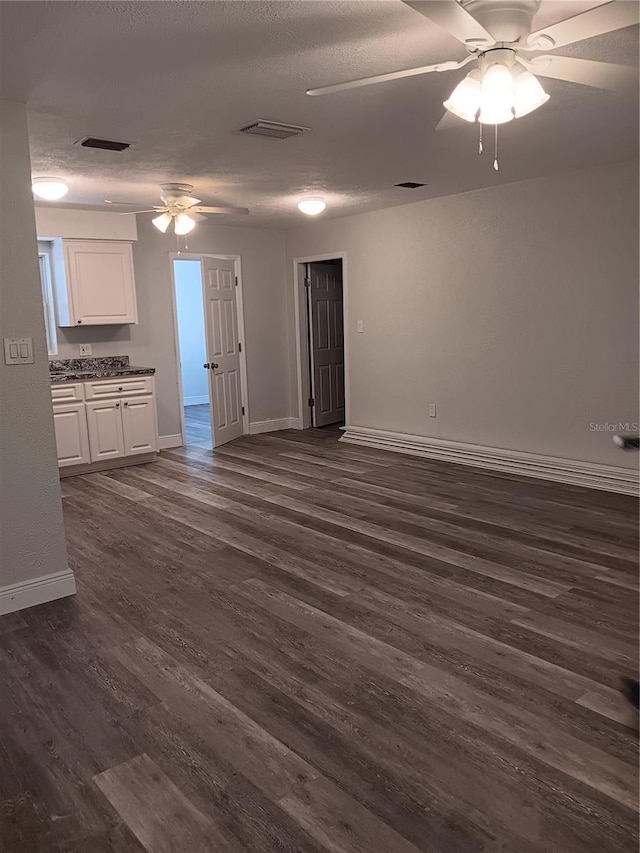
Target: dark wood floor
[
  {"x": 298, "y": 645},
  {"x": 197, "y": 426}
]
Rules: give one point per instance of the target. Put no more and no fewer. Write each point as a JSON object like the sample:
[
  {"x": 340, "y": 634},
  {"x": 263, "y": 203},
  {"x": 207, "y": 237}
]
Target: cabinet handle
[
  {"x": 120, "y": 388},
  {"x": 79, "y": 321},
  {"x": 117, "y": 405},
  {"x": 126, "y": 404}
]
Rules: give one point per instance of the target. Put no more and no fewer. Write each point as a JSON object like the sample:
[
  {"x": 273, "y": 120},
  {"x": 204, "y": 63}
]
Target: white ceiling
[{"x": 177, "y": 78}]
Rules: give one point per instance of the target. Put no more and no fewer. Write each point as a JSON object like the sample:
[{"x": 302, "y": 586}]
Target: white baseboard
[
  {"x": 18, "y": 596},
  {"x": 195, "y": 401},
  {"x": 271, "y": 426},
  {"x": 167, "y": 441},
  {"x": 588, "y": 474}
]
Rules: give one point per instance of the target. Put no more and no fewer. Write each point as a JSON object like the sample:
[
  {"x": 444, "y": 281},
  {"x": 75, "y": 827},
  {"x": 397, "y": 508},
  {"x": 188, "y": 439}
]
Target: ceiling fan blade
[
  {"x": 392, "y": 75},
  {"x": 600, "y": 75},
  {"x": 452, "y": 17},
  {"x": 594, "y": 22},
  {"x": 185, "y": 201},
  {"x": 133, "y": 212},
  {"x": 449, "y": 121},
  {"x": 233, "y": 210},
  {"x": 198, "y": 217}
]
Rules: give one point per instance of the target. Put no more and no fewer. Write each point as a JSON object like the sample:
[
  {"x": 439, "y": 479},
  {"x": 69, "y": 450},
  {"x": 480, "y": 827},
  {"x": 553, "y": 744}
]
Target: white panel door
[
  {"x": 326, "y": 332},
  {"x": 139, "y": 425},
  {"x": 223, "y": 353},
  {"x": 104, "y": 420},
  {"x": 101, "y": 282},
  {"x": 72, "y": 438}
]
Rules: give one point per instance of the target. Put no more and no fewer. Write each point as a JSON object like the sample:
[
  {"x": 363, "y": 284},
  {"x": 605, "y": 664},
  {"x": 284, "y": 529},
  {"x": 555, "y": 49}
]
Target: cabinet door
[
  {"x": 72, "y": 440},
  {"x": 104, "y": 420},
  {"x": 101, "y": 283},
  {"x": 139, "y": 425}
]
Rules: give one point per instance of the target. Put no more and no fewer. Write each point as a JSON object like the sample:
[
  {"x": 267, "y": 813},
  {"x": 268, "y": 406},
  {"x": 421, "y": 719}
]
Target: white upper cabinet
[{"x": 100, "y": 285}]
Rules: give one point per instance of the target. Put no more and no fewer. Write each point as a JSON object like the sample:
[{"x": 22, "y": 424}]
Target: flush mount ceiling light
[
  {"x": 312, "y": 205},
  {"x": 49, "y": 189},
  {"x": 497, "y": 35}
]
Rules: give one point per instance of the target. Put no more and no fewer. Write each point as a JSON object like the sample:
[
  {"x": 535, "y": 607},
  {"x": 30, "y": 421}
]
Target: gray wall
[
  {"x": 152, "y": 341},
  {"x": 31, "y": 530},
  {"x": 514, "y": 309}
]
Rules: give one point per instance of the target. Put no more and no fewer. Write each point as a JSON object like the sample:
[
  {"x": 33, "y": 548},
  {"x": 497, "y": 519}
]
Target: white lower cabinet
[
  {"x": 114, "y": 422},
  {"x": 72, "y": 439},
  {"x": 139, "y": 425},
  {"x": 105, "y": 430}
]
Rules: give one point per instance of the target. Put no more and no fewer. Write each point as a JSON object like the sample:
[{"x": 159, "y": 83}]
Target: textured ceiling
[{"x": 177, "y": 78}]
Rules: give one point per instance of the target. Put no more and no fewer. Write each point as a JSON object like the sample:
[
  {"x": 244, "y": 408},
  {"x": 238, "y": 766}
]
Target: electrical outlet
[
  {"x": 432, "y": 410},
  {"x": 85, "y": 349}
]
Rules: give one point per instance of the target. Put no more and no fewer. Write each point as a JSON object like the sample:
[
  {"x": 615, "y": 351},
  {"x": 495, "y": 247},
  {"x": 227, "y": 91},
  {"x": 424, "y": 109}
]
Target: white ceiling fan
[
  {"x": 496, "y": 34},
  {"x": 181, "y": 208}
]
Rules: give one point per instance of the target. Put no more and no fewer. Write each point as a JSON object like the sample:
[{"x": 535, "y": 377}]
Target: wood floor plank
[
  {"x": 339, "y": 823},
  {"x": 156, "y": 811}
]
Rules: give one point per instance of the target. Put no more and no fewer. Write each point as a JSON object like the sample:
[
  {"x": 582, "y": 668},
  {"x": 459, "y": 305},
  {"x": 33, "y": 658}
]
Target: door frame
[
  {"x": 302, "y": 335},
  {"x": 237, "y": 263}
]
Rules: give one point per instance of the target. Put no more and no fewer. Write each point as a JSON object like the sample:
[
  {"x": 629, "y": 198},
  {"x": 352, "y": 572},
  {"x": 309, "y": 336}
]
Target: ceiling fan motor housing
[
  {"x": 497, "y": 56},
  {"x": 171, "y": 192},
  {"x": 506, "y": 20}
]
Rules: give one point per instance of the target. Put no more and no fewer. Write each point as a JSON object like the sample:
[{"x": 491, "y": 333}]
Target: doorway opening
[
  {"x": 209, "y": 331},
  {"x": 323, "y": 342},
  {"x": 195, "y": 399}
]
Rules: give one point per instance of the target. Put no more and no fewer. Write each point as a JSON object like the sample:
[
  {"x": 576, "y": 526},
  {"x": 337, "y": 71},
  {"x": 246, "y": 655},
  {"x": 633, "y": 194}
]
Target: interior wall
[
  {"x": 191, "y": 334},
  {"x": 514, "y": 309},
  {"x": 31, "y": 529},
  {"x": 265, "y": 298},
  {"x": 152, "y": 341}
]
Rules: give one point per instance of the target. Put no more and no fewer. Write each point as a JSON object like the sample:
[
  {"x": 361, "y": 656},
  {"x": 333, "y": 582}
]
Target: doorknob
[
  {"x": 214, "y": 366},
  {"x": 206, "y": 366}
]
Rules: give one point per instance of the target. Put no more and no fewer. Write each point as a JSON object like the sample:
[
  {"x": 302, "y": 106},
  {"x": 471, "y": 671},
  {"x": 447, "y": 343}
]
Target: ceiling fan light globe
[
  {"x": 464, "y": 101},
  {"x": 162, "y": 222},
  {"x": 312, "y": 205},
  {"x": 49, "y": 189},
  {"x": 497, "y": 96},
  {"x": 493, "y": 115},
  {"x": 529, "y": 94},
  {"x": 184, "y": 224}
]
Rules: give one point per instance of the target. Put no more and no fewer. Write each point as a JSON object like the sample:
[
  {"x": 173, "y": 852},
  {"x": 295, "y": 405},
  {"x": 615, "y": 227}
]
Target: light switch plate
[
  {"x": 360, "y": 327},
  {"x": 85, "y": 349},
  {"x": 18, "y": 350}
]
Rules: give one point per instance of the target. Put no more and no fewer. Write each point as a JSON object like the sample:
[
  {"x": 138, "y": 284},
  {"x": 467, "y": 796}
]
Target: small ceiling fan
[
  {"x": 496, "y": 34},
  {"x": 181, "y": 208}
]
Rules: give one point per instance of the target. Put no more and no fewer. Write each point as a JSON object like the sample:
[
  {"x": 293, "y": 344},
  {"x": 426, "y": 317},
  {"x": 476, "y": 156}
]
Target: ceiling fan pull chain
[
  {"x": 495, "y": 162},
  {"x": 480, "y": 149}
]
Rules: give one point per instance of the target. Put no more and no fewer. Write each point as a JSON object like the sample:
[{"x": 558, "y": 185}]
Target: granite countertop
[{"x": 81, "y": 369}]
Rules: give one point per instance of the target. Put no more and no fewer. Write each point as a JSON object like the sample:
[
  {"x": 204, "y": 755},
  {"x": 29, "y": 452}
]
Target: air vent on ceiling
[
  {"x": 410, "y": 185},
  {"x": 105, "y": 144},
  {"x": 272, "y": 129}
]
